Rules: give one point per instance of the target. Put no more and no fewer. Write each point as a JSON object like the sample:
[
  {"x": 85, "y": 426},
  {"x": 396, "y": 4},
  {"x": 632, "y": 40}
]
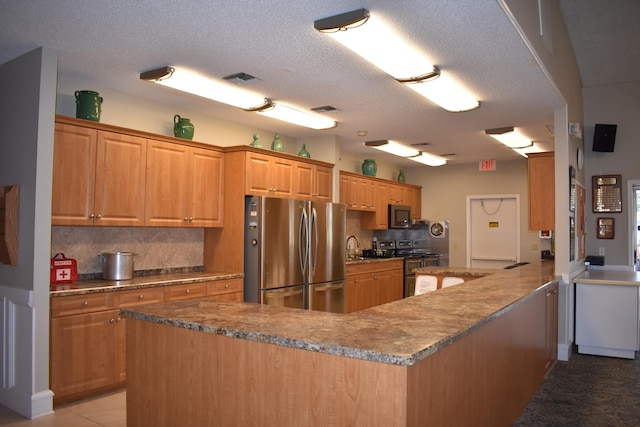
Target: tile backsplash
[
  {"x": 157, "y": 248},
  {"x": 354, "y": 229}
]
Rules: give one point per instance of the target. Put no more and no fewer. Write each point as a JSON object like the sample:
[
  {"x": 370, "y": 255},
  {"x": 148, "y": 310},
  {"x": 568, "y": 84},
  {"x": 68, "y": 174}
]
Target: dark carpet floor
[{"x": 587, "y": 391}]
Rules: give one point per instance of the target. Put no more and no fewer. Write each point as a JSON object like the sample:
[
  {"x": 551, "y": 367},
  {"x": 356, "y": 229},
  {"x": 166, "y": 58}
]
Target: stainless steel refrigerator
[{"x": 294, "y": 253}]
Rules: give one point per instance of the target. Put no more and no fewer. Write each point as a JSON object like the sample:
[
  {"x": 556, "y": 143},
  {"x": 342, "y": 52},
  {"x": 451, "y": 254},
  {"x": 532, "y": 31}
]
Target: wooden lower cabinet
[
  {"x": 84, "y": 354},
  {"x": 369, "y": 285},
  {"x": 88, "y": 338}
]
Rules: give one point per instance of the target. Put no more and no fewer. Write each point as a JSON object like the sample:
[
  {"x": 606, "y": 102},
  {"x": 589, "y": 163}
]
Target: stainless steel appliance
[
  {"x": 424, "y": 243},
  {"x": 294, "y": 253},
  {"x": 399, "y": 216},
  {"x": 414, "y": 257}
]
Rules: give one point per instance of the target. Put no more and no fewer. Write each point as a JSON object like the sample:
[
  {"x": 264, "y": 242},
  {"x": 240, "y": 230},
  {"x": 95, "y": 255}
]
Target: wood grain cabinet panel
[
  {"x": 269, "y": 176},
  {"x": 83, "y": 353},
  {"x": 186, "y": 291},
  {"x": 541, "y": 184},
  {"x": 368, "y": 285},
  {"x": 184, "y": 186},
  {"x": 312, "y": 182},
  {"x": 98, "y": 177}
]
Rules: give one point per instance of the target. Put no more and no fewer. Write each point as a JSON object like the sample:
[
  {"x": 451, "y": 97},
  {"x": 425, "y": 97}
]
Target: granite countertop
[
  {"x": 609, "y": 277},
  {"x": 453, "y": 271},
  {"x": 372, "y": 260},
  {"x": 400, "y": 333},
  {"x": 138, "y": 282}
]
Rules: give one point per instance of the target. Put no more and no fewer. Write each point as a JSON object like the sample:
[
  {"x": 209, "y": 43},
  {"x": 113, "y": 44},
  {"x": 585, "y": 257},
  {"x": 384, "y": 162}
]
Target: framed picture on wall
[
  {"x": 572, "y": 189},
  {"x": 606, "y": 228}
]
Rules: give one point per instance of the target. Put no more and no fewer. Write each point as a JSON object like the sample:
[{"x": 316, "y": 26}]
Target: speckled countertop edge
[
  {"x": 139, "y": 282},
  {"x": 397, "y": 333},
  {"x": 609, "y": 277}
]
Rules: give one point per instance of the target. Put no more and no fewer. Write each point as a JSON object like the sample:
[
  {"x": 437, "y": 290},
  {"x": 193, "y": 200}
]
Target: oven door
[{"x": 411, "y": 263}]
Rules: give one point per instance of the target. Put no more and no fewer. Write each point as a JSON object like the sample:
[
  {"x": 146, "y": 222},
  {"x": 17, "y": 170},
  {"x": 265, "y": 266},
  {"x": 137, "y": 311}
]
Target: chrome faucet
[{"x": 357, "y": 243}]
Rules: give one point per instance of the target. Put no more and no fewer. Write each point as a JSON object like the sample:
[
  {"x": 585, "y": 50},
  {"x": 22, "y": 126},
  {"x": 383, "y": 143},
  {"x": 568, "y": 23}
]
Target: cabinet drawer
[
  {"x": 80, "y": 304},
  {"x": 187, "y": 291},
  {"x": 218, "y": 287},
  {"x": 139, "y": 297}
]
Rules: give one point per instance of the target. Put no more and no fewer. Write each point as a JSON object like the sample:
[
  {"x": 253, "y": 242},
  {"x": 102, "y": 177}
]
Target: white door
[{"x": 493, "y": 231}]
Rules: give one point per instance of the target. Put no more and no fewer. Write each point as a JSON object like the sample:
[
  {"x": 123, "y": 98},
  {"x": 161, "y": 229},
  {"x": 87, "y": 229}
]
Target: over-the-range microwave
[{"x": 399, "y": 216}]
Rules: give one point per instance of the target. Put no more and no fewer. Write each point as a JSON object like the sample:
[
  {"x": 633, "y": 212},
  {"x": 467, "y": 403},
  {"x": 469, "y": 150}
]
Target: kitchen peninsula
[{"x": 471, "y": 354}]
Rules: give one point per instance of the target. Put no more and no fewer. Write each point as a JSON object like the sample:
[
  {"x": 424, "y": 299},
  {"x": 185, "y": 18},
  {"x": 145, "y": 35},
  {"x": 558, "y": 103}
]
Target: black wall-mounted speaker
[{"x": 604, "y": 138}]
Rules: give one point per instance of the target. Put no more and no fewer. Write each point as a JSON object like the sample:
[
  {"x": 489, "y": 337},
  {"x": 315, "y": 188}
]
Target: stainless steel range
[
  {"x": 414, "y": 258},
  {"x": 424, "y": 243}
]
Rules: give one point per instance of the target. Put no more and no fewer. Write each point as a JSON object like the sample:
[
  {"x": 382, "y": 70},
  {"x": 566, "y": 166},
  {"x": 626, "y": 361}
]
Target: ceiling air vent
[
  {"x": 324, "y": 109},
  {"x": 240, "y": 78}
]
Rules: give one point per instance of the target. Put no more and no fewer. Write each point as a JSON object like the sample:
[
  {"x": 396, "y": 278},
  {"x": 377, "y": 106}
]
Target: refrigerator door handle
[
  {"x": 303, "y": 238},
  {"x": 314, "y": 236}
]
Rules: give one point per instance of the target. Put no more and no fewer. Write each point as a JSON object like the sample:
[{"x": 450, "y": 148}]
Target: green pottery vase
[
  {"x": 401, "y": 176},
  {"x": 303, "y": 152},
  {"x": 88, "y": 105},
  {"x": 182, "y": 127},
  {"x": 276, "y": 145},
  {"x": 369, "y": 167}
]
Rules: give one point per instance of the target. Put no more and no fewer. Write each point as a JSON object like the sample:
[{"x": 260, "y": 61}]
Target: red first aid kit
[{"x": 63, "y": 269}]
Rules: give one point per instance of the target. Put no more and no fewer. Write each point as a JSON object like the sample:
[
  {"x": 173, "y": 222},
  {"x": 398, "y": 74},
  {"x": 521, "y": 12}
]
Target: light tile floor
[{"x": 106, "y": 411}]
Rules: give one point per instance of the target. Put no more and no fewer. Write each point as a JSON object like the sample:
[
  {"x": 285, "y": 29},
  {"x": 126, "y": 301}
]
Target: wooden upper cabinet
[
  {"x": 206, "y": 198},
  {"x": 414, "y": 194},
  {"x": 541, "y": 180},
  {"x": 183, "y": 186},
  {"x": 167, "y": 178},
  {"x": 74, "y": 177},
  {"x": 269, "y": 176},
  {"x": 98, "y": 177},
  {"x": 312, "y": 182},
  {"x": 120, "y": 179}
]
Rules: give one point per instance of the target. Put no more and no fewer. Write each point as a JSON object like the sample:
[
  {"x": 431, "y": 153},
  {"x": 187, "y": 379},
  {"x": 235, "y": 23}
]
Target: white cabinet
[{"x": 607, "y": 319}]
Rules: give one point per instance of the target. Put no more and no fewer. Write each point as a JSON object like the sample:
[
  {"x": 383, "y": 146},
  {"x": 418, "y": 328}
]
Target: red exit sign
[{"x": 487, "y": 165}]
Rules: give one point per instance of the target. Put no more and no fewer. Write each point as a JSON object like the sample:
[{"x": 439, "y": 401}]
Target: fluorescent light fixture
[
  {"x": 369, "y": 37},
  {"x": 509, "y": 137},
  {"x": 534, "y": 148},
  {"x": 291, "y": 115},
  {"x": 376, "y": 43},
  {"x": 429, "y": 159},
  {"x": 393, "y": 147},
  {"x": 401, "y": 150},
  {"x": 229, "y": 94},
  {"x": 446, "y": 93}
]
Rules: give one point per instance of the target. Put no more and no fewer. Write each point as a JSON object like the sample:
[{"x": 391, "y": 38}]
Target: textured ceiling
[{"x": 274, "y": 40}]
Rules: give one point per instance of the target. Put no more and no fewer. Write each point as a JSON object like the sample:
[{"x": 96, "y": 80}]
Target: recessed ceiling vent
[
  {"x": 421, "y": 144},
  {"x": 448, "y": 155},
  {"x": 241, "y": 78},
  {"x": 324, "y": 109}
]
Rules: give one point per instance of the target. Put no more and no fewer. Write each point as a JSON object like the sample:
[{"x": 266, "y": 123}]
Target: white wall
[
  {"x": 615, "y": 104},
  {"x": 27, "y": 106},
  {"x": 444, "y": 196}
]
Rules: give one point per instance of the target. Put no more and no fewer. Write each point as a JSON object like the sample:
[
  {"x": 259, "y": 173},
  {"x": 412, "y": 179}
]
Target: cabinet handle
[
  {"x": 98, "y": 216},
  {"x": 118, "y": 319},
  {"x": 188, "y": 291},
  {"x": 86, "y": 303},
  {"x": 191, "y": 218},
  {"x": 92, "y": 216},
  {"x": 140, "y": 296},
  {"x": 186, "y": 219},
  {"x": 112, "y": 320},
  {"x": 226, "y": 286}
]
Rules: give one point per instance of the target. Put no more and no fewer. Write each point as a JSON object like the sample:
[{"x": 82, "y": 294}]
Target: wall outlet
[{"x": 601, "y": 251}]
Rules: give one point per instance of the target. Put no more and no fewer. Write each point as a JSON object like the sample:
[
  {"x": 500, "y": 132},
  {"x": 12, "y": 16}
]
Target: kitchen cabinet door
[
  {"x": 541, "y": 185},
  {"x": 167, "y": 184},
  {"x": 269, "y": 176},
  {"x": 205, "y": 196},
  {"x": 414, "y": 195},
  {"x": 323, "y": 183},
  {"x": 82, "y": 353},
  {"x": 183, "y": 186},
  {"x": 120, "y": 180},
  {"x": 226, "y": 290},
  {"x": 187, "y": 291},
  {"x": 73, "y": 181},
  {"x": 313, "y": 182},
  {"x": 389, "y": 285}
]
